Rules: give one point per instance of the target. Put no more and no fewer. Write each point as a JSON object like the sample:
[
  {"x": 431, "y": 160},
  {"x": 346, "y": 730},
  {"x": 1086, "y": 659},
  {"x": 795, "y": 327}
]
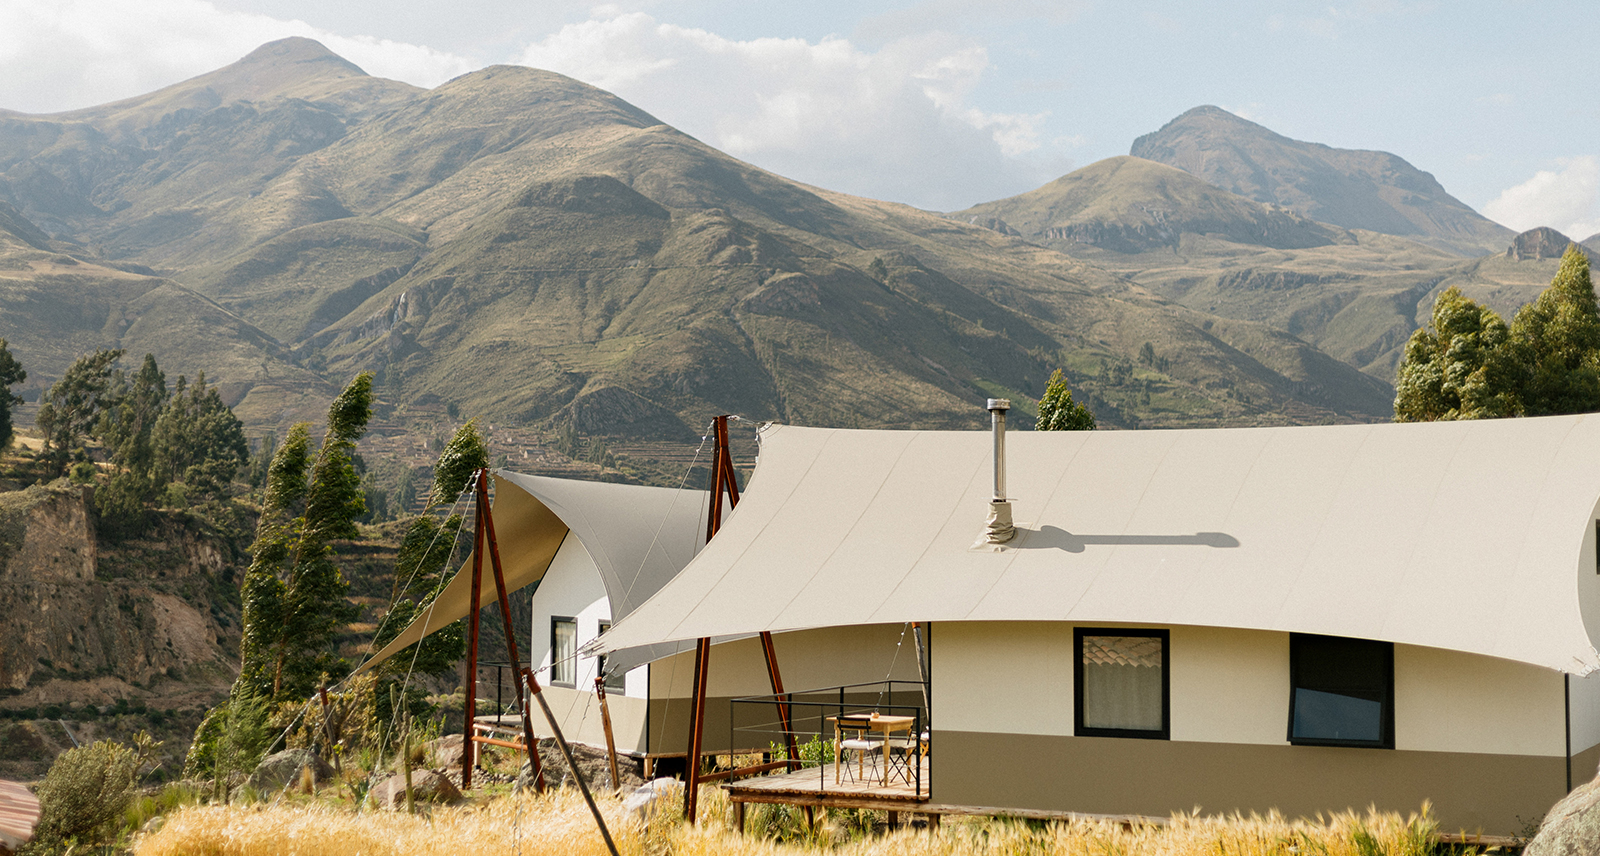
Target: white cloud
[
  {"x": 895, "y": 124},
  {"x": 1566, "y": 199},
  {"x": 67, "y": 54}
]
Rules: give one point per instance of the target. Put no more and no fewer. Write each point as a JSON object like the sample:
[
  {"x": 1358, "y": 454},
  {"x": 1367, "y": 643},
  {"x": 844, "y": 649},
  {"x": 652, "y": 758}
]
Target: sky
[{"x": 940, "y": 104}]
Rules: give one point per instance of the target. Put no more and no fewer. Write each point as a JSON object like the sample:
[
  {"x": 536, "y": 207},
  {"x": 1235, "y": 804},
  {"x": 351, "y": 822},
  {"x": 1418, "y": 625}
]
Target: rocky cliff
[{"x": 91, "y": 623}]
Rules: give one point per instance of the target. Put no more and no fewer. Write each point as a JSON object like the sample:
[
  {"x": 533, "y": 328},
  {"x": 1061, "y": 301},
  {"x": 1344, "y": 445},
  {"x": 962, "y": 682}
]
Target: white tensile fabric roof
[
  {"x": 1472, "y": 536},
  {"x": 639, "y": 537}
]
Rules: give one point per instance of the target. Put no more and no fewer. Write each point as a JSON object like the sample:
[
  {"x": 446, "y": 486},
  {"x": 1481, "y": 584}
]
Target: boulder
[
  {"x": 283, "y": 769},
  {"x": 657, "y": 795},
  {"x": 427, "y": 786},
  {"x": 593, "y": 764},
  {"x": 446, "y": 751},
  {"x": 1572, "y": 827}
]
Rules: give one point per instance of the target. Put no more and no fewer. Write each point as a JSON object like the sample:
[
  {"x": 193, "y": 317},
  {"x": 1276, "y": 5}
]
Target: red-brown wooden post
[{"x": 487, "y": 516}]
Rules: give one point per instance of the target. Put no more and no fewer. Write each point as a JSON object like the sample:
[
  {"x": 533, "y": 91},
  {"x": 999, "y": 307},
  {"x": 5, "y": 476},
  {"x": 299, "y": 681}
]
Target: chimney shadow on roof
[{"x": 1056, "y": 538}]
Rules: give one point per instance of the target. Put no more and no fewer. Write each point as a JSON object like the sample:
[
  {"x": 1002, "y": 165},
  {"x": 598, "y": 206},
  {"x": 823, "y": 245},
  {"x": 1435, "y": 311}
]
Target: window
[
  {"x": 564, "y": 652},
  {"x": 1342, "y": 691},
  {"x": 618, "y": 681},
  {"x": 1120, "y": 682}
]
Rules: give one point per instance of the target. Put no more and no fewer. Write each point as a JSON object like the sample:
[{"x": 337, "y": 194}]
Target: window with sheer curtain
[
  {"x": 1121, "y": 683},
  {"x": 564, "y": 652}
]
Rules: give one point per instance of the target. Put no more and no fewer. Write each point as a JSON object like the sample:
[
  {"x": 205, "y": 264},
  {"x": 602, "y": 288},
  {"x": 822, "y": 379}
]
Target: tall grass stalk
[{"x": 559, "y": 823}]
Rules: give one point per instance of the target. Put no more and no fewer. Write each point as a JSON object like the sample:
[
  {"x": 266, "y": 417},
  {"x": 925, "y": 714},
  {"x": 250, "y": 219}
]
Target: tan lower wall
[
  {"x": 1584, "y": 765},
  {"x": 1473, "y": 792}
]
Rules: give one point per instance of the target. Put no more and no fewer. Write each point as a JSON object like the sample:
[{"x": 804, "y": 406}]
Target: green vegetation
[
  {"x": 11, "y": 374},
  {"x": 1057, "y": 410},
  {"x": 1470, "y": 365},
  {"x": 72, "y": 407},
  {"x": 83, "y": 797},
  {"x": 293, "y": 593}
]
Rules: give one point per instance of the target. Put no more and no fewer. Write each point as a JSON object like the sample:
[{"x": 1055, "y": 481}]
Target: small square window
[
  {"x": 563, "y": 652},
  {"x": 1341, "y": 691},
  {"x": 1121, "y": 684}
]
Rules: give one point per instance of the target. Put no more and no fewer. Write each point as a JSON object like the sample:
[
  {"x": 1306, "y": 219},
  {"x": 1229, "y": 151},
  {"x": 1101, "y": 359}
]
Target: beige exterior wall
[
  {"x": 1232, "y": 686},
  {"x": 579, "y": 715},
  {"x": 1447, "y": 701},
  {"x": 1228, "y": 686}
]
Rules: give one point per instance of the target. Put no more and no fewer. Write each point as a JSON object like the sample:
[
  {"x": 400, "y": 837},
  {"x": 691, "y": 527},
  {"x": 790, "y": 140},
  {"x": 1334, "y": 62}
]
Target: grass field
[{"x": 560, "y": 824}]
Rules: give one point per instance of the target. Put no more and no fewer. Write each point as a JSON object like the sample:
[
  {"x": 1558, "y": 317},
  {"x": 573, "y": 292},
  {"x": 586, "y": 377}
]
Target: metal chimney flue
[{"x": 998, "y": 528}]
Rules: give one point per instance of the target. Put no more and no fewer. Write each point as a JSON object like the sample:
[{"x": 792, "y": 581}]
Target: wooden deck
[{"x": 815, "y": 786}]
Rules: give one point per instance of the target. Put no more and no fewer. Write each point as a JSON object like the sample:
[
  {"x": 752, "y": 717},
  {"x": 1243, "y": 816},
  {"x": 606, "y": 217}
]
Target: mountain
[
  {"x": 1130, "y": 205},
  {"x": 525, "y": 247},
  {"x": 1355, "y": 189}
]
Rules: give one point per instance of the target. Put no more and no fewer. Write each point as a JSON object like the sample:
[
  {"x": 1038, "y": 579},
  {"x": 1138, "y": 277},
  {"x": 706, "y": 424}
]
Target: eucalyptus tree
[{"x": 294, "y": 593}]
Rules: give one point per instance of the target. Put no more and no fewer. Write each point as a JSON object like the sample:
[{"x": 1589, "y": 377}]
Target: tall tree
[
  {"x": 124, "y": 427},
  {"x": 11, "y": 373},
  {"x": 1558, "y": 338},
  {"x": 294, "y": 593},
  {"x": 199, "y": 442},
  {"x": 72, "y": 407},
  {"x": 1469, "y": 364},
  {"x": 1057, "y": 410},
  {"x": 1462, "y": 366}
]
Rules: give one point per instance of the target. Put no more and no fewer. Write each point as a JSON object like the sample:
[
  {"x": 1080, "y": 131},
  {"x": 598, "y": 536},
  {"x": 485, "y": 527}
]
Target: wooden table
[{"x": 864, "y": 723}]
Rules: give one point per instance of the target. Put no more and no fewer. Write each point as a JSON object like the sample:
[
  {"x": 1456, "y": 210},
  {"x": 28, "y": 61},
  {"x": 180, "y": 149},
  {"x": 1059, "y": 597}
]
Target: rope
[{"x": 892, "y": 660}]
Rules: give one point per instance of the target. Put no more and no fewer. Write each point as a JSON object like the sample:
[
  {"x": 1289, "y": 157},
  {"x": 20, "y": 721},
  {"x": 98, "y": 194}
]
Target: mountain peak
[
  {"x": 1352, "y": 188},
  {"x": 296, "y": 50}
]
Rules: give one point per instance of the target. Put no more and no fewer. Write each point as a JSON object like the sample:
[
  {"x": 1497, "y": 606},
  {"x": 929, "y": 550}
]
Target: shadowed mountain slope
[{"x": 1355, "y": 189}]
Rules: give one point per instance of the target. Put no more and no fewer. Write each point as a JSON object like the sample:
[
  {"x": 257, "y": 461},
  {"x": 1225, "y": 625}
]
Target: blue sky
[{"x": 940, "y": 103}]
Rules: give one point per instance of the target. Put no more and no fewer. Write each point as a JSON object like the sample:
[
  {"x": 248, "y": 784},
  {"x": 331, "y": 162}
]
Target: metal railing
[{"x": 810, "y": 716}]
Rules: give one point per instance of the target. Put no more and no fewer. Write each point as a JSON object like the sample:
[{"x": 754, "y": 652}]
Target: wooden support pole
[
  {"x": 605, "y": 721},
  {"x": 487, "y": 517},
  {"x": 697, "y": 724},
  {"x": 469, "y": 712},
  {"x": 722, "y": 481},
  {"x": 566, "y": 752}
]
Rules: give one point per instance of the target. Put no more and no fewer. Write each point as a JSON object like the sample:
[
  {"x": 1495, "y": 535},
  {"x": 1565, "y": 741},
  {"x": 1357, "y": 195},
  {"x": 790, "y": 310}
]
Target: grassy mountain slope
[
  {"x": 536, "y": 250},
  {"x": 1355, "y": 189}
]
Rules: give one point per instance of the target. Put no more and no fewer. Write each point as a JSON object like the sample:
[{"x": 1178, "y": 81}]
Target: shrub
[{"x": 83, "y": 797}]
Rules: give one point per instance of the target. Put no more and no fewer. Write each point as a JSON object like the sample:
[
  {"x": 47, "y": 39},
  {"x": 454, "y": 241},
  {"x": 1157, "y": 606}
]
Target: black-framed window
[
  {"x": 1341, "y": 691},
  {"x": 619, "y": 681},
  {"x": 1121, "y": 683},
  {"x": 563, "y": 651}
]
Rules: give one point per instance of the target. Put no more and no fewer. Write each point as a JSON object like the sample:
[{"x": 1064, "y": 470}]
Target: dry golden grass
[{"x": 560, "y": 824}]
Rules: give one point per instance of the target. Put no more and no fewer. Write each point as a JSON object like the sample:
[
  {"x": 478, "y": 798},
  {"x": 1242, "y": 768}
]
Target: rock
[
  {"x": 427, "y": 786},
  {"x": 658, "y": 795},
  {"x": 1572, "y": 827},
  {"x": 282, "y": 769},
  {"x": 446, "y": 751},
  {"x": 592, "y": 763},
  {"x": 1541, "y": 243}
]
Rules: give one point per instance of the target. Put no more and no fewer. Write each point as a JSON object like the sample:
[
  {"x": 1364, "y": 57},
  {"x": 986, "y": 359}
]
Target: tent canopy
[
  {"x": 639, "y": 538},
  {"x": 1472, "y": 536}
]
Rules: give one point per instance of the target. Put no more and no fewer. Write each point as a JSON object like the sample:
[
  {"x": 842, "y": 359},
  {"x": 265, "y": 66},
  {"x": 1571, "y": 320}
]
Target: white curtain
[{"x": 1122, "y": 682}]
